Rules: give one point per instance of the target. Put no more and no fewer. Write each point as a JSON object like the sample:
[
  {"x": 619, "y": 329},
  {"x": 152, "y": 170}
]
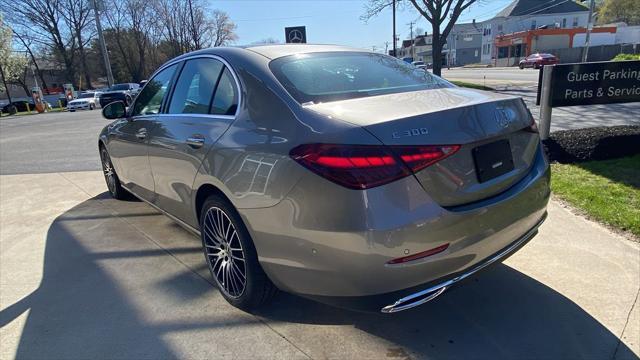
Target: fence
[{"x": 596, "y": 53}]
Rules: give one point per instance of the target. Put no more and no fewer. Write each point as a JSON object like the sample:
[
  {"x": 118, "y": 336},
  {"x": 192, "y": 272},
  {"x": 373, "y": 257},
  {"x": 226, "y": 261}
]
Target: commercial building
[{"x": 525, "y": 15}]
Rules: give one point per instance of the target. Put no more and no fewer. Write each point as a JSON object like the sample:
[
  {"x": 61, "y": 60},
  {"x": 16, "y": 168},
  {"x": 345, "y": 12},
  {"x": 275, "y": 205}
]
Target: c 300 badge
[{"x": 410, "y": 132}]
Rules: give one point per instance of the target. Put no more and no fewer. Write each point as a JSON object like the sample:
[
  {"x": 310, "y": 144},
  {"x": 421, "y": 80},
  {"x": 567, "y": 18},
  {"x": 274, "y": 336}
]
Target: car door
[
  {"x": 128, "y": 145},
  {"x": 203, "y": 105}
]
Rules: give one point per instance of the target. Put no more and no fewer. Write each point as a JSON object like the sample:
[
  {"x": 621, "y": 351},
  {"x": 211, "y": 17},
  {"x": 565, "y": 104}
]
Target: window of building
[
  {"x": 575, "y": 22},
  {"x": 533, "y": 24},
  {"x": 500, "y": 28},
  {"x": 564, "y": 23}
]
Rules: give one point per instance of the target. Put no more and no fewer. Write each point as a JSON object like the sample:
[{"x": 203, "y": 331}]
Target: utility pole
[
  {"x": 386, "y": 47},
  {"x": 394, "y": 28},
  {"x": 373, "y": 48},
  {"x": 103, "y": 45},
  {"x": 585, "y": 52},
  {"x": 411, "y": 30}
]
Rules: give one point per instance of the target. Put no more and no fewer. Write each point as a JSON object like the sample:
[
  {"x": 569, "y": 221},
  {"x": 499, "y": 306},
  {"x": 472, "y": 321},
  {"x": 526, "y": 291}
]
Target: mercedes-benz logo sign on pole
[{"x": 296, "y": 34}]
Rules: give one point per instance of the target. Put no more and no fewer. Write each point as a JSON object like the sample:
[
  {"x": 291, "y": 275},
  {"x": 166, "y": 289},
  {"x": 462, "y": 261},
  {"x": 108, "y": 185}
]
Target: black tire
[
  {"x": 113, "y": 182},
  {"x": 258, "y": 289},
  {"x": 521, "y": 66},
  {"x": 91, "y": 107}
]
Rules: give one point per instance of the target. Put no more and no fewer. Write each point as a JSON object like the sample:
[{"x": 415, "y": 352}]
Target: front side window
[
  {"x": 149, "y": 101},
  {"x": 195, "y": 86},
  {"x": 332, "y": 76}
]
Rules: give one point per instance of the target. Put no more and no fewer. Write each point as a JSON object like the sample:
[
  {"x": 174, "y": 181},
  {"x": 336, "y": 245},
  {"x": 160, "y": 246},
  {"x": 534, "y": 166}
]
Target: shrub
[
  {"x": 623, "y": 57},
  {"x": 596, "y": 143}
]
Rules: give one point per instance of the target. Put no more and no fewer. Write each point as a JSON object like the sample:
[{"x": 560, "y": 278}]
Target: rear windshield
[
  {"x": 86, "y": 96},
  {"x": 332, "y": 76}
]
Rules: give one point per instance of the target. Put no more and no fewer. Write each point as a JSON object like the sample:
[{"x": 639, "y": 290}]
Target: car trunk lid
[{"x": 496, "y": 148}]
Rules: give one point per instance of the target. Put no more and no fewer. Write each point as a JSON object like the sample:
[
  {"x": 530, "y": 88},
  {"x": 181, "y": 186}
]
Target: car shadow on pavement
[{"x": 92, "y": 303}]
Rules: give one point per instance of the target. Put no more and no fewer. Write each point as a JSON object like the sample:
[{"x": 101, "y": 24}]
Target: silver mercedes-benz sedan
[{"x": 345, "y": 176}]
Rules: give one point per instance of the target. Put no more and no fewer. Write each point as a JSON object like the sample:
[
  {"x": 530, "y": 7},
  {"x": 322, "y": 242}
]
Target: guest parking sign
[{"x": 595, "y": 83}]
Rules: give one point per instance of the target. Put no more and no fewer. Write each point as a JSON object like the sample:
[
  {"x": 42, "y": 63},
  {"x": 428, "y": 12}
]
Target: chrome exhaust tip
[{"x": 414, "y": 300}]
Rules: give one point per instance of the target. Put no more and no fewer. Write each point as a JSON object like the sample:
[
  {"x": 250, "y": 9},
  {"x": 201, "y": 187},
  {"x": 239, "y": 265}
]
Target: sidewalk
[{"x": 86, "y": 276}]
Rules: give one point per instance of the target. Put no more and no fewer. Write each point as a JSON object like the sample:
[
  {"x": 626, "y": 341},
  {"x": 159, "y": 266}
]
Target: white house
[{"x": 523, "y": 15}]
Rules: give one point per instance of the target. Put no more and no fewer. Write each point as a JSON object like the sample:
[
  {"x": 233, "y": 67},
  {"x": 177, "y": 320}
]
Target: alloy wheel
[
  {"x": 224, "y": 252},
  {"x": 109, "y": 174}
]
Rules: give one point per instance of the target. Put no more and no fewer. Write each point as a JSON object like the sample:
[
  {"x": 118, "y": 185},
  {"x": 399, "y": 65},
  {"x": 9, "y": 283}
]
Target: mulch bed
[{"x": 597, "y": 143}]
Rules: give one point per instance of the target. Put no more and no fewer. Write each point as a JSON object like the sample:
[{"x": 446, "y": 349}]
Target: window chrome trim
[
  {"x": 211, "y": 56},
  {"x": 208, "y": 116}
]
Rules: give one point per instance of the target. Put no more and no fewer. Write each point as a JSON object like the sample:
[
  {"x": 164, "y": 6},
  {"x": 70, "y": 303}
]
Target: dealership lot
[
  {"x": 91, "y": 276},
  {"x": 85, "y": 276}
]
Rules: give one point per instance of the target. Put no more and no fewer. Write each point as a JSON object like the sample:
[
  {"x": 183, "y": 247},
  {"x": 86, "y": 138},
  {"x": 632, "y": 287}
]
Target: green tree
[
  {"x": 12, "y": 65},
  {"x": 441, "y": 14},
  {"x": 627, "y": 11}
]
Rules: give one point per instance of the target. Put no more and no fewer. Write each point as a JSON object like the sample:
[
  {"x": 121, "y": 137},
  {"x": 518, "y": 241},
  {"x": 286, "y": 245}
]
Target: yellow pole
[
  {"x": 28, "y": 108},
  {"x": 60, "y": 104}
]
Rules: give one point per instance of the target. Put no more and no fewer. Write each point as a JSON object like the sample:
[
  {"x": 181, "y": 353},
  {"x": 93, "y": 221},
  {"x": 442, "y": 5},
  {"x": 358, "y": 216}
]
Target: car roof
[{"x": 277, "y": 51}]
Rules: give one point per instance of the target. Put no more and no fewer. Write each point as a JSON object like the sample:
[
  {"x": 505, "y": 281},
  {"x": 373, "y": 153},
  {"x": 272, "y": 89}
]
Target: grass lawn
[
  {"x": 471, "y": 85},
  {"x": 607, "y": 191}
]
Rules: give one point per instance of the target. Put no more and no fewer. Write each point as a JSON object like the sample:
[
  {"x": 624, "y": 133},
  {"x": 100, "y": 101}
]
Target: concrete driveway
[{"x": 85, "y": 276}]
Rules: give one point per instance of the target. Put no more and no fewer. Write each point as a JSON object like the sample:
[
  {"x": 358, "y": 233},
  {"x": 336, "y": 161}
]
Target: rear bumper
[
  {"x": 333, "y": 244},
  {"x": 415, "y": 296},
  {"x": 72, "y": 107}
]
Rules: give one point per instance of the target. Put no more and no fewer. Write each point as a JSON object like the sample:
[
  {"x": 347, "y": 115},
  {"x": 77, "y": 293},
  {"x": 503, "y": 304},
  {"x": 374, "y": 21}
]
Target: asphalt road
[
  {"x": 501, "y": 77},
  {"x": 50, "y": 142}
]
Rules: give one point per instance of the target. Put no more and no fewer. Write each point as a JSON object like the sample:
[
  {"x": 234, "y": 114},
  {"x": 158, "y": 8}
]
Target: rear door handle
[
  {"x": 195, "y": 141},
  {"x": 141, "y": 134}
]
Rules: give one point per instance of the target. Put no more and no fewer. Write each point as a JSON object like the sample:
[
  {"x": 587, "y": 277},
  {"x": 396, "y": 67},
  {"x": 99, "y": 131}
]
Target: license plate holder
[{"x": 492, "y": 160}]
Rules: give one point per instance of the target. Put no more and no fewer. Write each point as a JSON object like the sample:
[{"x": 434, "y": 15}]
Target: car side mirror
[{"x": 114, "y": 110}]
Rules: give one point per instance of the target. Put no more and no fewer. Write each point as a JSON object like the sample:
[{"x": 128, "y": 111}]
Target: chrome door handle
[
  {"x": 141, "y": 134},
  {"x": 195, "y": 141}
]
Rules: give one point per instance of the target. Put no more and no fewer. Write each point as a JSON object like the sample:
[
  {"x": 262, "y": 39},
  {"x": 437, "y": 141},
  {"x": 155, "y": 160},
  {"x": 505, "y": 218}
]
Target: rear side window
[
  {"x": 225, "y": 101},
  {"x": 149, "y": 100},
  {"x": 195, "y": 87},
  {"x": 331, "y": 76}
]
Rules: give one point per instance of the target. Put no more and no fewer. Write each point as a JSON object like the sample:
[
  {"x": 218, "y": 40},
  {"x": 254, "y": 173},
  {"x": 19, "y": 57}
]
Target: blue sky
[{"x": 332, "y": 21}]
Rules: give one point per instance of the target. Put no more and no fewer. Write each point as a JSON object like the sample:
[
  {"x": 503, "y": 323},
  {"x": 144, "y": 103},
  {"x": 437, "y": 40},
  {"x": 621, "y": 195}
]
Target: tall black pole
[{"x": 394, "y": 28}]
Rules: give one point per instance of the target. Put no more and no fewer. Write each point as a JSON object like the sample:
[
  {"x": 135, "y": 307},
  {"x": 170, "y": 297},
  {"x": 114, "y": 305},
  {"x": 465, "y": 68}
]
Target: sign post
[
  {"x": 545, "y": 102},
  {"x": 606, "y": 82}
]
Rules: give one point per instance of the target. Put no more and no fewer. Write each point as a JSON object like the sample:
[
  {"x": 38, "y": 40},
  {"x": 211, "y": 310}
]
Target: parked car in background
[
  {"x": 301, "y": 169},
  {"x": 538, "y": 60},
  {"x": 85, "y": 101},
  {"x": 124, "y": 92},
  {"x": 20, "y": 105}
]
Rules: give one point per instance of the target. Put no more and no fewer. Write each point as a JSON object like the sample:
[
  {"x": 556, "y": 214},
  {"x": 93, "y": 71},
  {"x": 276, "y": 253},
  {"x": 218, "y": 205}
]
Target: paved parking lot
[{"x": 85, "y": 276}]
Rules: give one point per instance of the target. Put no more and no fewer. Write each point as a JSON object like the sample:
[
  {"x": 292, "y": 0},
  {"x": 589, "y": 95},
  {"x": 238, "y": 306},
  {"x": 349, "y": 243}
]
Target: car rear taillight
[
  {"x": 533, "y": 127},
  {"x": 419, "y": 157},
  {"x": 367, "y": 166}
]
